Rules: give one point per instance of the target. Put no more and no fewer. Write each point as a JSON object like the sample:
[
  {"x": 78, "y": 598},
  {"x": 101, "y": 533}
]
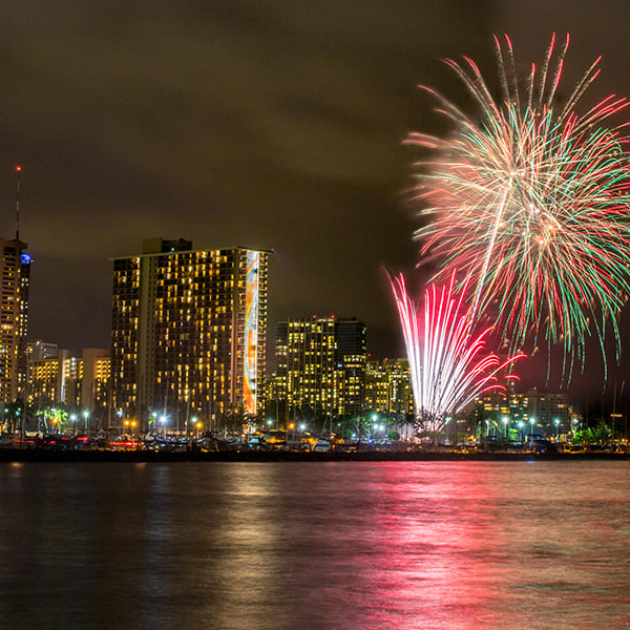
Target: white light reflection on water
[{"x": 429, "y": 546}]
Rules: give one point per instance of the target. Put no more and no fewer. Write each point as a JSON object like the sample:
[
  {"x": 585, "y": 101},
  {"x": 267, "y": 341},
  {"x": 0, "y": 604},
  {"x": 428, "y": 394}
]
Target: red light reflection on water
[
  {"x": 476, "y": 546},
  {"x": 440, "y": 545}
]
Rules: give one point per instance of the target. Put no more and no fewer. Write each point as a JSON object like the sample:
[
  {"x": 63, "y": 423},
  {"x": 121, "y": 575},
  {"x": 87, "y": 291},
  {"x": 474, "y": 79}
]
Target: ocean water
[{"x": 305, "y": 546}]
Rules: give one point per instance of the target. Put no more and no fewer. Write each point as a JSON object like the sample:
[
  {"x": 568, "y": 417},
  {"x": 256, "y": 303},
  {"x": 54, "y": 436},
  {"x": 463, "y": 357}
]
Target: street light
[
  {"x": 520, "y": 426},
  {"x": 505, "y": 424},
  {"x": 86, "y": 415},
  {"x": 531, "y": 432},
  {"x": 557, "y": 423}
]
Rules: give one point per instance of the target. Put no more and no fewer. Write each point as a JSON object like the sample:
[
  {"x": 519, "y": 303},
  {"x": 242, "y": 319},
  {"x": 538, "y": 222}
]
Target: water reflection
[{"x": 462, "y": 546}]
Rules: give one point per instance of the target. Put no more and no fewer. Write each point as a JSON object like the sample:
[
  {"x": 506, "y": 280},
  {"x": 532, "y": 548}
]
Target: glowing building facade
[
  {"x": 188, "y": 332},
  {"x": 55, "y": 381},
  {"x": 388, "y": 388},
  {"x": 96, "y": 373},
  {"x": 76, "y": 383},
  {"x": 15, "y": 266},
  {"x": 321, "y": 364},
  {"x": 534, "y": 412},
  {"x": 545, "y": 409}
]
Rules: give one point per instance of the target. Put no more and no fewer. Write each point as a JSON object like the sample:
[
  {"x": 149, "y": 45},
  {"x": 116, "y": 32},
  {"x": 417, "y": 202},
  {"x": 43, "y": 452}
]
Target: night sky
[{"x": 241, "y": 122}]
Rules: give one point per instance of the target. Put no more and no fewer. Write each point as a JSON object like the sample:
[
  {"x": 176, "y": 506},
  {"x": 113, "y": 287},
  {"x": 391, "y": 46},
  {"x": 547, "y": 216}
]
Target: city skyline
[
  {"x": 258, "y": 126},
  {"x": 315, "y": 314}
]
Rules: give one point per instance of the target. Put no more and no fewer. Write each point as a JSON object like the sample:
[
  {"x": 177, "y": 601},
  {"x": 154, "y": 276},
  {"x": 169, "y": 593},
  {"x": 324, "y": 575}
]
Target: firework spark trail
[
  {"x": 448, "y": 369},
  {"x": 530, "y": 201}
]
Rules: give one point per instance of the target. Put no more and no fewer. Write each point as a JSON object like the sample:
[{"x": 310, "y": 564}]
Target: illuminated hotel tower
[
  {"x": 188, "y": 332},
  {"x": 321, "y": 363},
  {"x": 15, "y": 267}
]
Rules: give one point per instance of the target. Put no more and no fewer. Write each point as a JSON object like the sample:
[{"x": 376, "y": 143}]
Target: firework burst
[
  {"x": 446, "y": 361},
  {"x": 530, "y": 201}
]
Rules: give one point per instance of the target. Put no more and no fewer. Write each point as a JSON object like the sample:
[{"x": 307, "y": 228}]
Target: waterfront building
[
  {"x": 72, "y": 382},
  {"x": 305, "y": 365},
  {"x": 188, "y": 332},
  {"x": 15, "y": 266},
  {"x": 496, "y": 406},
  {"x": 95, "y": 381},
  {"x": 55, "y": 382},
  {"x": 36, "y": 350},
  {"x": 518, "y": 408},
  {"x": 351, "y": 358},
  {"x": 529, "y": 413},
  {"x": 548, "y": 411},
  {"x": 388, "y": 388},
  {"x": 498, "y": 412},
  {"x": 321, "y": 365}
]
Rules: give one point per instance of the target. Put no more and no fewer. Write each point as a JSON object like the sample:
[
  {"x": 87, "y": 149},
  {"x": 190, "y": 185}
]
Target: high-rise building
[
  {"x": 188, "y": 331},
  {"x": 321, "y": 364},
  {"x": 388, "y": 388},
  {"x": 15, "y": 266},
  {"x": 306, "y": 371},
  {"x": 351, "y": 357}
]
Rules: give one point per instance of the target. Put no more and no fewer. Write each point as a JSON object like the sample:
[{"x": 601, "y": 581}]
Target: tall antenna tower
[{"x": 18, "y": 170}]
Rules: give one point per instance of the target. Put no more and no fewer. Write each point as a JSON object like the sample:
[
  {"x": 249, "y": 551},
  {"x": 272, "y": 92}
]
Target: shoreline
[{"x": 76, "y": 456}]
